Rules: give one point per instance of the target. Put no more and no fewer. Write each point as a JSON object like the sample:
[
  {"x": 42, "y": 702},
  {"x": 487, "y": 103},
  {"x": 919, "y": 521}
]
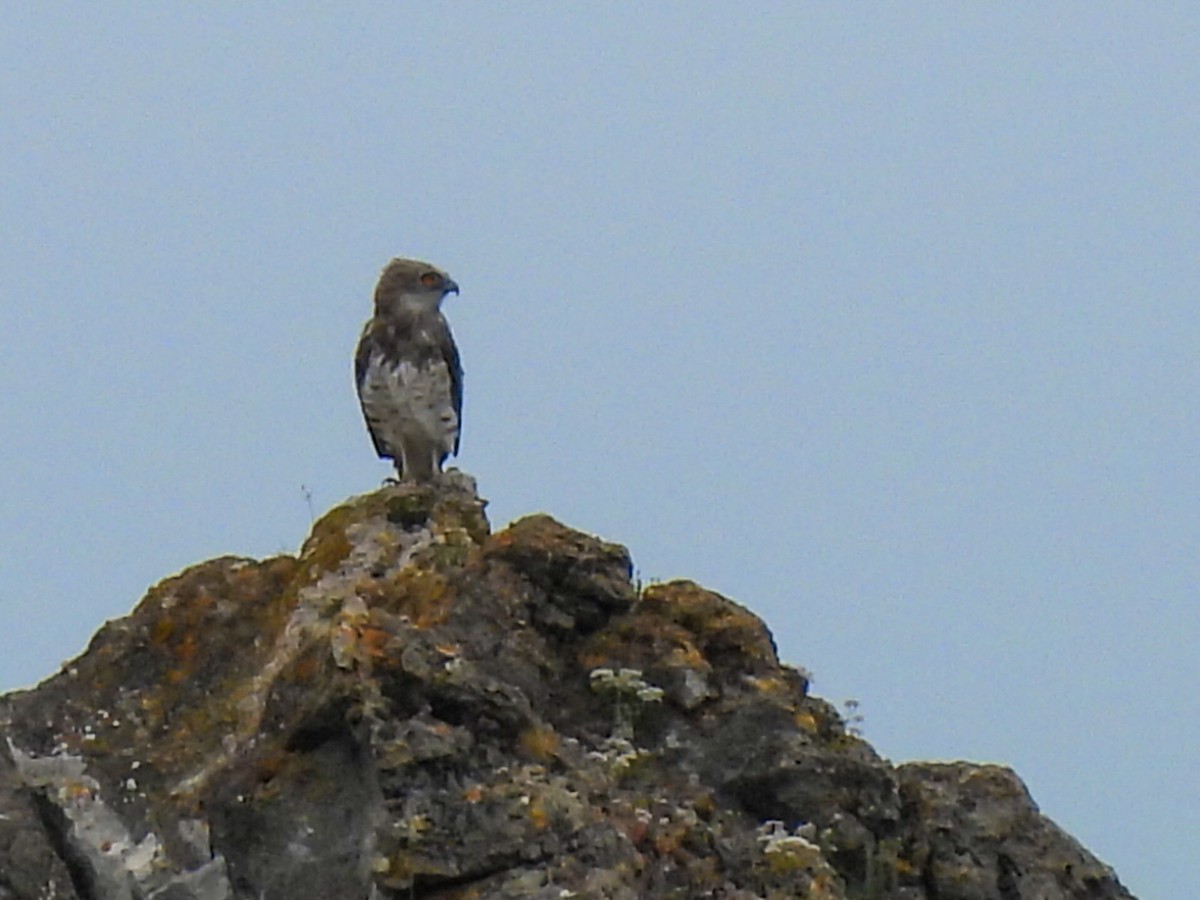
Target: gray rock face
[{"x": 414, "y": 707}]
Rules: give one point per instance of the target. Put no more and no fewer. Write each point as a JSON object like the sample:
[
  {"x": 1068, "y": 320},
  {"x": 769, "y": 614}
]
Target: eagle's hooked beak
[{"x": 449, "y": 286}]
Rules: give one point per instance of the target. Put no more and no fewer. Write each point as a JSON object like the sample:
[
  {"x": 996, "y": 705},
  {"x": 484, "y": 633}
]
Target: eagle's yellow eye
[{"x": 431, "y": 279}]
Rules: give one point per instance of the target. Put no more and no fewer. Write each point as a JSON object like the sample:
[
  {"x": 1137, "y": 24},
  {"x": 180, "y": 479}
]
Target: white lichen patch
[{"x": 123, "y": 867}]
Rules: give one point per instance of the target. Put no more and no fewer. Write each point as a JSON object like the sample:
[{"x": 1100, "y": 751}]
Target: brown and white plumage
[{"x": 407, "y": 370}]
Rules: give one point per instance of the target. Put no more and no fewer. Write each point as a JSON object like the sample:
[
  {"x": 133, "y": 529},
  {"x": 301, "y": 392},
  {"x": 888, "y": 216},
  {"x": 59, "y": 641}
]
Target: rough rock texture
[{"x": 413, "y": 707}]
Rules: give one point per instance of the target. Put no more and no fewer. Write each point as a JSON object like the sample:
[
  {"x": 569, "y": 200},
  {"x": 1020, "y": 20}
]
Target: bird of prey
[{"x": 409, "y": 377}]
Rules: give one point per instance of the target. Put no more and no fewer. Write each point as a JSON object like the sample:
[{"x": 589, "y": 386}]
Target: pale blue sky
[{"x": 881, "y": 320}]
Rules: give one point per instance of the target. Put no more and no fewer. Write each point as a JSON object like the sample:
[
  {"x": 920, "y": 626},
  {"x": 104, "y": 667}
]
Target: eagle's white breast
[{"x": 410, "y": 409}]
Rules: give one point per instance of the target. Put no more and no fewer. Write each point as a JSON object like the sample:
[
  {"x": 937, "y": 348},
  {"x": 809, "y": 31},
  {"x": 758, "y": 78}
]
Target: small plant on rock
[{"x": 629, "y": 691}]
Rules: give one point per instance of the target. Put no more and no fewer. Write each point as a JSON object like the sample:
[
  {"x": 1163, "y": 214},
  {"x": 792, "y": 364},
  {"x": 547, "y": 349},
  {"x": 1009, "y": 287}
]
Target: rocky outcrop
[{"x": 414, "y": 707}]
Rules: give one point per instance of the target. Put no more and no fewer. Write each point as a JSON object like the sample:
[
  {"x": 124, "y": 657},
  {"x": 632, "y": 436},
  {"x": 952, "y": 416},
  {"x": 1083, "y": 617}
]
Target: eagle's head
[{"x": 411, "y": 286}]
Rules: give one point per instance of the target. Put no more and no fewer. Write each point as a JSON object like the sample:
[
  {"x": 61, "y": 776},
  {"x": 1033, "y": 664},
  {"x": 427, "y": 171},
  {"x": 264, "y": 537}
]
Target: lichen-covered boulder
[{"x": 415, "y": 707}]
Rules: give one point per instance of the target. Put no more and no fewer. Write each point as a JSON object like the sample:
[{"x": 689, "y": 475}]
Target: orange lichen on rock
[
  {"x": 719, "y": 625},
  {"x": 414, "y": 707},
  {"x": 540, "y": 742},
  {"x": 423, "y": 596}
]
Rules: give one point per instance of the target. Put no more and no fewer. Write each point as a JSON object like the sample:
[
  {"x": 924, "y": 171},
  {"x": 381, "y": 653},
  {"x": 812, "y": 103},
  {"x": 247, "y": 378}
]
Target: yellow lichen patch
[
  {"x": 502, "y": 539},
  {"x": 716, "y": 622},
  {"x": 77, "y": 790},
  {"x": 687, "y": 656},
  {"x": 323, "y": 555},
  {"x": 537, "y": 531},
  {"x": 538, "y": 814},
  {"x": 423, "y": 596},
  {"x": 540, "y": 742},
  {"x": 161, "y": 630},
  {"x": 538, "y": 545},
  {"x": 770, "y": 684},
  {"x": 336, "y": 521},
  {"x": 466, "y": 516},
  {"x": 806, "y": 720},
  {"x": 644, "y": 642}
]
